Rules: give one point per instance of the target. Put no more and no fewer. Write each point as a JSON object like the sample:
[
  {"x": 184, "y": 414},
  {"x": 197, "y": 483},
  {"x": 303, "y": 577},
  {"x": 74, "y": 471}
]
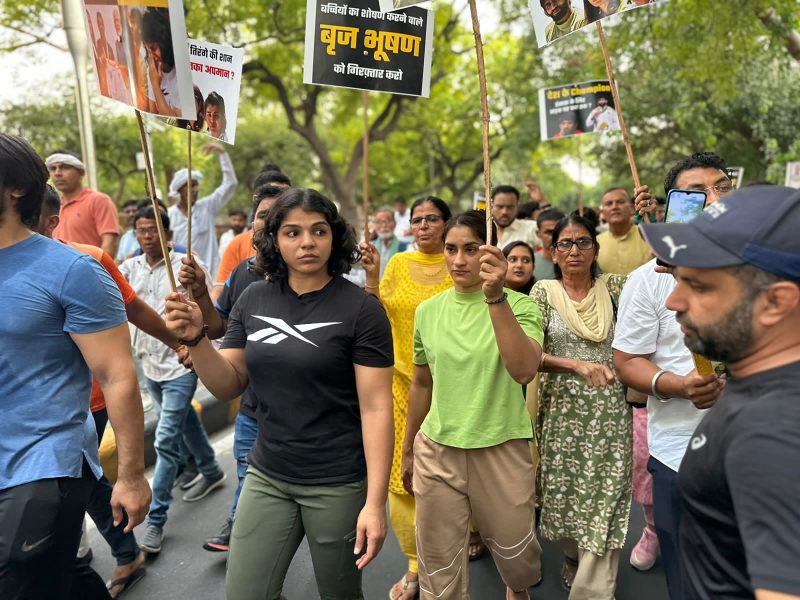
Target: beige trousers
[
  {"x": 495, "y": 486},
  {"x": 596, "y": 578}
]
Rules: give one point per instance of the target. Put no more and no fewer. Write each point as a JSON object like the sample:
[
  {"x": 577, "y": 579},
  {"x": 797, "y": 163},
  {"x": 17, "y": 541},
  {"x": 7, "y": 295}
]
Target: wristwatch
[{"x": 193, "y": 342}]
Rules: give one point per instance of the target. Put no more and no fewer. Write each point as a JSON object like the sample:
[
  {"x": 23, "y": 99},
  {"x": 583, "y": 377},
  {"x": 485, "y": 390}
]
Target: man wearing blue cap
[
  {"x": 737, "y": 300},
  {"x": 204, "y": 210}
]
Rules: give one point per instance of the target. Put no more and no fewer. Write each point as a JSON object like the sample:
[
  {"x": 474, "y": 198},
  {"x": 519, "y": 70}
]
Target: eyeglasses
[
  {"x": 721, "y": 188},
  {"x": 565, "y": 246},
  {"x": 146, "y": 230},
  {"x": 429, "y": 219}
]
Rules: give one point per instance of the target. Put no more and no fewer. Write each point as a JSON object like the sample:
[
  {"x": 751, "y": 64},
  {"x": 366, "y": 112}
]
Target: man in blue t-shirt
[{"x": 63, "y": 316}]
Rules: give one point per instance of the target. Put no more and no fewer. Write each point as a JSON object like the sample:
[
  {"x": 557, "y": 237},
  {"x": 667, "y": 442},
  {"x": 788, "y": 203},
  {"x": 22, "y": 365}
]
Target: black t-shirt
[
  {"x": 240, "y": 278},
  {"x": 300, "y": 352},
  {"x": 740, "y": 486}
]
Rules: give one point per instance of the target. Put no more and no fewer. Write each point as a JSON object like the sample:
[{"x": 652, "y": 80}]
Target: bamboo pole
[
  {"x": 190, "y": 198},
  {"x": 365, "y": 153},
  {"x": 617, "y": 106},
  {"x": 151, "y": 184},
  {"x": 581, "y": 204},
  {"x": 487, "y": 166}
]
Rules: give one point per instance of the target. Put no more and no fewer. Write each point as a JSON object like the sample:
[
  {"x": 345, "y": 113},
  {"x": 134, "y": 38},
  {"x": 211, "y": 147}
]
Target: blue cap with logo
[{"x": 758, "y": 225}]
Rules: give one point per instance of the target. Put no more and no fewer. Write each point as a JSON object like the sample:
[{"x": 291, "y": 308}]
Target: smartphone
[{"x": 684, "y": 205}]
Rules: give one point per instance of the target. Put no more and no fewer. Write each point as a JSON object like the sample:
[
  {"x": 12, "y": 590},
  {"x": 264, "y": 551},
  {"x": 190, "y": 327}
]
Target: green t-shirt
[{"x": 476, "y": 403}]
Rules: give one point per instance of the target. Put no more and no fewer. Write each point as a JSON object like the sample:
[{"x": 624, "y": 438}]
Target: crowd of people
[{"x": 488, "y": 395}]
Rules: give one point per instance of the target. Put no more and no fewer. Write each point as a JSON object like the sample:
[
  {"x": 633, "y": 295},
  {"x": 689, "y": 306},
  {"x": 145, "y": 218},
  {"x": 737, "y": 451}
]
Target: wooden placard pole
[
  {"x": 365, "y": 153},
  {"x": 613, "y": 82},
  {"x": 581, "y": 203},
  {"x": 190, "y": 199},
  {"x": 487, "y": 163},
  {"x": 151, "y": 184}
]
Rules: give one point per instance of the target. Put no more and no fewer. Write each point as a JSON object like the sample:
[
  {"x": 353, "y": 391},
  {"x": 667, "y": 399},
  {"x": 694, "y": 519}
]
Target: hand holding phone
[{"x": 682, "y": 207}]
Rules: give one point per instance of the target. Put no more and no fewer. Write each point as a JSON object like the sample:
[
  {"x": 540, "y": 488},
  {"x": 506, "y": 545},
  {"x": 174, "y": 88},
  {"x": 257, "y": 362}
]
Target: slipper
[
  {"x": 407, "y": 586},
  {"x": 568, "y": 572},
  {"x": 126, "y": 582},
  {"x": 476, "y": 542}
]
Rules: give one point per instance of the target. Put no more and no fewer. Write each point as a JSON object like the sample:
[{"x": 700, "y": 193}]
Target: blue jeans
[
  {"x": 244, "y": 436},
  {"x": 177, "y": 422}
]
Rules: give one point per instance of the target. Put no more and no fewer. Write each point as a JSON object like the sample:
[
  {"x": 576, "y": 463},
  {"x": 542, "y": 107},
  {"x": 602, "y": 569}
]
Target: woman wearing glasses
[
  {"x": 409, "y": 279},
  {"x": 584, "y": 424}
]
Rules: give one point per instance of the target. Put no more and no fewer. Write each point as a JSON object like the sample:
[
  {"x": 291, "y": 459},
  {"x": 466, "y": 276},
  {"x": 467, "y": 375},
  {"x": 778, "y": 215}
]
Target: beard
[
  {"x": 728, "y": 339},
  {"x": 386, "y": 235}
]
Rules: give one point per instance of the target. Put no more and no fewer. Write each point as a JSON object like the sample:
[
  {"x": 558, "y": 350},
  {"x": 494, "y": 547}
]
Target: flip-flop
[
  {"x": 126, "y": 582},
  {"x": 569, "y": 563},
  {"x": 407, "y": 586},
  {"x": 476, "y": 540}
]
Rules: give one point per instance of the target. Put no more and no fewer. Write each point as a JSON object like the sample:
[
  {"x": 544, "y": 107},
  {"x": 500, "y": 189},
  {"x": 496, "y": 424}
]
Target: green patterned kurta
[{"x": 585, "y": 441}]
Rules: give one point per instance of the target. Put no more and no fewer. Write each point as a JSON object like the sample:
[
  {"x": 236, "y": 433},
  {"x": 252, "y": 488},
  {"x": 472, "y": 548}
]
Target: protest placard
[
  {"x": 217, "y": 81},
  {"x": 553, "y": 19},
  {"x": 139, "y": 53},
  {"x": 793, "y": 174},
  {"x": 390, "y": 5},
  {"x": 735, "y": 174},
  {"x": 355, "y": 45},
  {"x": 576, "y": 108}
]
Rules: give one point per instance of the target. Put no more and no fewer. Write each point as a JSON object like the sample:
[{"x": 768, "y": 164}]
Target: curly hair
[
  {"x": 344, "y": 247},
  {"x": 698, "y": 160},
  {"x": 156, "y": 30}
]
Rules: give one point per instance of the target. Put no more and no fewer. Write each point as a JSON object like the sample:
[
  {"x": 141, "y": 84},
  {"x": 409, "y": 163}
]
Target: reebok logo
[
  {"x": 673, "y": 249},
  {"x": 698, "y": 441},
  {"x": 281, "y": 330}
]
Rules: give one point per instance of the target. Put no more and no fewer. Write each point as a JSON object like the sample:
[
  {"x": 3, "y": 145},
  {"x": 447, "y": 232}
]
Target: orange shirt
[
  {"x": 86, "y": 218},
  {"x": 98, "y": 402},
  {"x": 240, "y": 248}
]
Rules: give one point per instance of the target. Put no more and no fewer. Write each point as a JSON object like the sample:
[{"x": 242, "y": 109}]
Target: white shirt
[
  {"x": 402, "y": 224},
  {"x": 647, "y": 327},
  {"x": 169, "y": 87},
  {"x": 204, "y": 213},
  {"x": 224, "y": 240},
  {"x": 605, "y": 120},
  {"x": 520, "y": 230},
  {"x": 151, "y": 284}
]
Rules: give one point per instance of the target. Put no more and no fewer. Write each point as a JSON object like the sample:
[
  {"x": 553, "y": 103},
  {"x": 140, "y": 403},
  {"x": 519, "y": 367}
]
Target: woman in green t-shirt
[{"x": 465, "y": 452}]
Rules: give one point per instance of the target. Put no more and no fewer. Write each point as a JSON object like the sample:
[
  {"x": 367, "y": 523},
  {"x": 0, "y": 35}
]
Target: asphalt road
[{"x": 184, "y": 571}]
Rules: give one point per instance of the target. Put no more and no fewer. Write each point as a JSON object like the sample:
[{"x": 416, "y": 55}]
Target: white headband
[{"x": 63, "y": 158}]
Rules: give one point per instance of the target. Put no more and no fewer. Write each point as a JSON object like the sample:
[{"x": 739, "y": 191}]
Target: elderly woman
[{"x": 584, "y": 423}]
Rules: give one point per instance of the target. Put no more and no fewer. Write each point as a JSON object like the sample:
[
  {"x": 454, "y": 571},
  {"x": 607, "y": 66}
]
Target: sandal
[
  {"x": 476, "y": 548},
  {"x": 568, "y": 572},
  {"x": 407, "y": 586},
  {"x": 126, "y": 582}
]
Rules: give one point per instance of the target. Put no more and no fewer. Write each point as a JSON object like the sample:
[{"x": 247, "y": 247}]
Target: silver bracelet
[{"x": 654, "y": 383}]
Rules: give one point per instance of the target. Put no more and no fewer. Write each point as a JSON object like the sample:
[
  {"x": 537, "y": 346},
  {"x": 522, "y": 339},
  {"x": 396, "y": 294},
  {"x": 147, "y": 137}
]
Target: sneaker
[
  {"x": 187, "y": 479},
  {"x": 201, "y": 489},
  {"x": 644, "y": 554},
  {"x": 221, "y": 541},
  {"x": 152, "y": 539}
]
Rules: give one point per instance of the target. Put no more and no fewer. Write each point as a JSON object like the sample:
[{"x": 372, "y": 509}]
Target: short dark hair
[
  {"x": 475, "y": 220},
  {"x": 440, "y": 205},
  {"x": 147, "y": 202},
  {"x": 270, "y": 166},
  {"x": 344, "y": 247},
  {"x": 400, "y": 200},
  {"x": 509, "y": 247},
  {"x": 51, "y": 203},
  {"x": 590, "y": 215},
  {"x": 264, "y": 191},
  {"x": 147, "y": 212},
  {"x": 580, "y": 221},
  {"x": 237, "y": 212},
  {"x": 156, "y": 30},
  {"x": 527, "y": 209},
  {"x": 614, "y": 189},
  {"x": 698, "y": 160},
  {"x": 551, "y": 214},
  {"x": 270, "y": 177},
  {"x": 505, "y": 189},
  {"x": 130, "y": 202},
  {"x": 21, "y": 169}
]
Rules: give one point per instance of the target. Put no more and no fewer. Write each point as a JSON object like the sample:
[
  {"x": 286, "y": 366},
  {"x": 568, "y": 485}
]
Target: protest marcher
[
  {"x": 505, "y": 204},
  {"x": 332, "y": 492},
  {"x": 237, "y": 221},
  {"x": 410, "y": 278},
  {"x": 241, "y": 247},
  {"x": 737, "y": 300},
  {"x": 171, "y": 385},
  {"x": 123, "y": 544},
  {"x": 204, "y": 210},
  {"x": 603, "y": 117},
  {"x": 565, "y": 18},
  {"x": 521, "y": 260},
  {"x": 547, "y": 221},
  {"x": 387, "y": 243},
  {"x": 648, "y": 341},
  {"x": 215, "y": 315},
  {"x": 585, "y": 496},
  {"x": 87, "y": 216},
  {"x": 465, "y": 450},
  {"x": 63, "y": 309},
  {"x": 402, "y": 220},
  {"x": 622, "y": 248},
  {"x": 127, "y": 243},
  {"x": 528, "y": 211}
]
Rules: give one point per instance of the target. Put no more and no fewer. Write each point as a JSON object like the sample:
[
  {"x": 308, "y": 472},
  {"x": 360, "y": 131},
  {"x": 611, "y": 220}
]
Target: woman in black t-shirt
[{"x": 317, "y": 353}]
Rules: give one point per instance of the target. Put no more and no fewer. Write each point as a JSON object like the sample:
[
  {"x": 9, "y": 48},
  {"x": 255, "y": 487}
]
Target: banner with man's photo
[
  {"x": 577, "y": 108},
  {"x": 553, "y": 19},
  {"x": 140, "y": 54},
  {"x": 217, "y": 81},
  {"x": 355, "y": 45}
]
